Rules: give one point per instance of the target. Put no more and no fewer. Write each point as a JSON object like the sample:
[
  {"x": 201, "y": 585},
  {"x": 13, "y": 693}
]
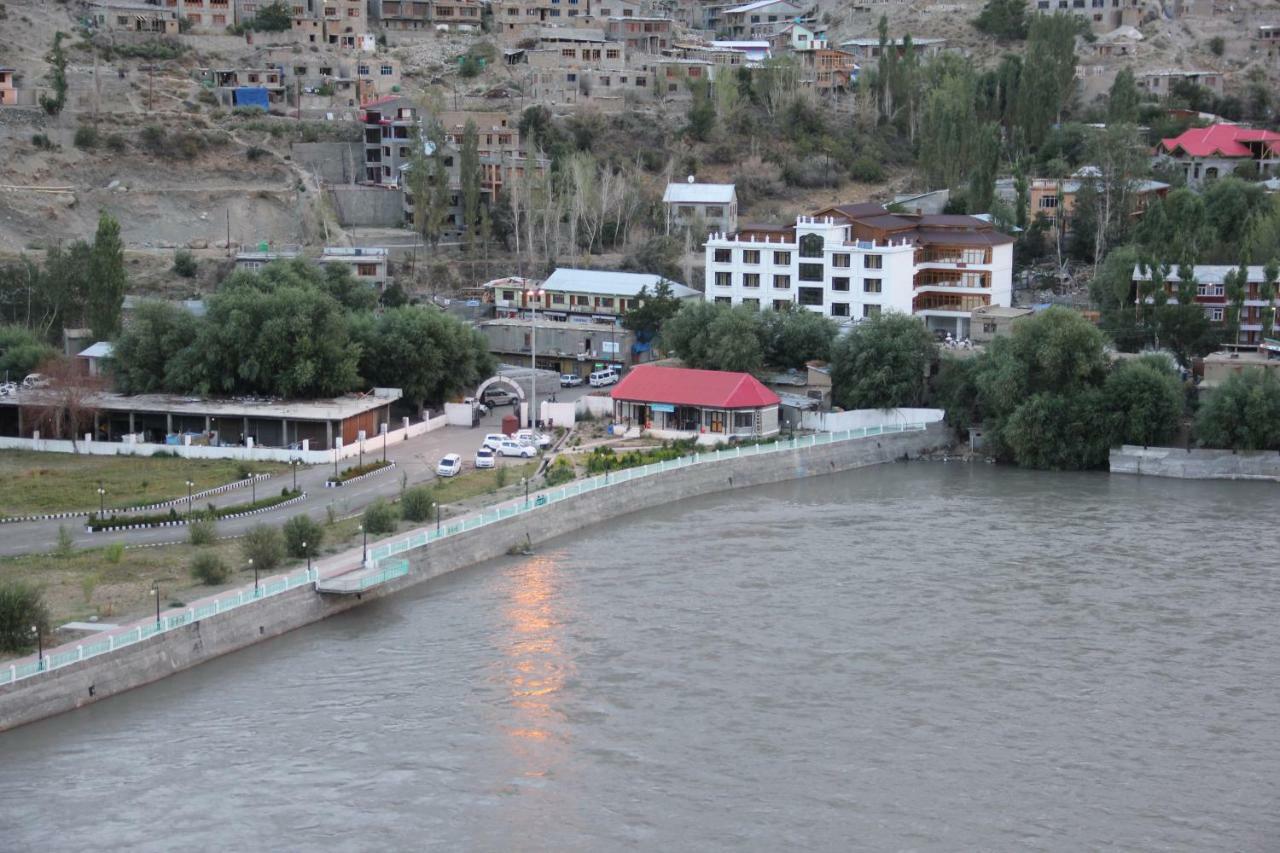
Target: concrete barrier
[
  {"x": 1196, "y": 464},
  {"x": 88, "y": 681}
]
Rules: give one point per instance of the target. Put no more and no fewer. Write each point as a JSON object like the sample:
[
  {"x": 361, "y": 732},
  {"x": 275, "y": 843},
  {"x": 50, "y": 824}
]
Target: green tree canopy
[
  {"x": 425, "y": 352},
  {"x": 1004, "y": 19},
  {"x": 651, "y": 311},
  {"x": 1243, "y": 413},
  {"x": 20, "y": 351},
  {"x": 882, "y": 363},
  {"x": 734, "y": 340},
  {"x": 1145, "y": 398},
  {"x": 1122, "y": 100},
  {"x": 106, "y": 280},
  {"x": 796, "y": 336},
  {"x": 686, "y": 334},
  {"x": 148, "y": 350}
]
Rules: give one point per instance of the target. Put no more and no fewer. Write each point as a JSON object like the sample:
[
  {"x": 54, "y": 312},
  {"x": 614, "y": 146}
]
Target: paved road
[{"x": 415, "y": 459}]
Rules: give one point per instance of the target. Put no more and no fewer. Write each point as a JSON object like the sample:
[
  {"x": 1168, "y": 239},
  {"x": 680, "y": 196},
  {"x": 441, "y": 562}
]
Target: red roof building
[
  {"x": 675, "y": 402},
  {"x": 1217, "y": 150}
]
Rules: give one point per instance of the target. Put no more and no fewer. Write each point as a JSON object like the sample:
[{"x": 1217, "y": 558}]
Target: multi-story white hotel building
[{"x": 855, "y": 260}]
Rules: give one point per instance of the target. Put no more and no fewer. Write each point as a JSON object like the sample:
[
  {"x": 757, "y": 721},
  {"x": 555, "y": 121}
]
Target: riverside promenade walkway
[{"x": 388, "y": 558}]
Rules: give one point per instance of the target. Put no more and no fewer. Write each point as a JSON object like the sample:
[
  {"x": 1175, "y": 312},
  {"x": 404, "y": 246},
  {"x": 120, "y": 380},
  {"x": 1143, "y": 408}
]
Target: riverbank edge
[
  {"x": 71, "y": 687},
  {"x": 1196, "y": 463}
]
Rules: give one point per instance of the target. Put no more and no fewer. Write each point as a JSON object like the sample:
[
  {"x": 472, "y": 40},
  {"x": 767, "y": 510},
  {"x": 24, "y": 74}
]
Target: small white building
[
  {"x": 754, "y": 52},
  {"x": 92, "y": 357},
  {"x": 716, "y": 205},
  {"x": 367, "y": 264},
  {"x": 579, "y": 296},
  {"x": 254, "y": 261}
]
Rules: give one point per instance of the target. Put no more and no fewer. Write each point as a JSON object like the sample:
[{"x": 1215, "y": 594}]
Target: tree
[
  {"x": 416, "y": 503},
  {"x": 1123, "y": 99},
  {"x": 702, "y": 111},
  {"x": 1145, "y": 398},
  {"x": 1267, "y": 290},
  {"x": 427, "y": 353},
  {"x": 469, "y": 178},
  {"x": 184, "y": 263},
  {"x": 263, "y": 546},
  {"x": 22, "y": 607},
  {"x": 303, "y": 536},
  {"x": 208, "y": 568},
  {"x": 1004, "y": 19},
  {"x": 57, "y": 60},
  {"x": 107, "y": 280},
  {"x": 796, "y": 336},
  {"x": 1243, "y": 413},
  {"x": 1048, "y": 74},
  {"x": 68, "y": 402},
  {"x": 20, "y": 352},
  {"x": 337, "y": 281},
  {"x": 146, "y": 351},
  {"x": 1059, "y": 431},
  {"x": 734, "y": 341},
  {"x": 1184, "y": 329},
  {"x": 379, "y": 517},
  {"x": 686, "y": 334},
  {"x": 882, "y": 363},
  {"x": 651, "y": 311},
  {"x": 272, "y": 18},
  {"x": 429, "y": 183}
]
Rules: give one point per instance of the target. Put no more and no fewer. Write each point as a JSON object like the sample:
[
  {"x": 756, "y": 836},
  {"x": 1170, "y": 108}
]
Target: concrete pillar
[
  {"x": 208, "y": 424},
  {"x": 168, "y": 423},
  {"x": 96, "y": 426},
  {"x": 19, "y": 421},
  {"x": 284, "y": 432},
  {"x": 246, "y": 427},
  {"x": 132, "y": 431},
  {"x": 328, "y": 435}
]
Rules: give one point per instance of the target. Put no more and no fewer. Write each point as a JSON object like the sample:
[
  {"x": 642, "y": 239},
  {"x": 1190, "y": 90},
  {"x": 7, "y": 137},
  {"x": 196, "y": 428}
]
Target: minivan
[
  {"x": 601, "y": 378},
  {"x": 499, "y": 397}
]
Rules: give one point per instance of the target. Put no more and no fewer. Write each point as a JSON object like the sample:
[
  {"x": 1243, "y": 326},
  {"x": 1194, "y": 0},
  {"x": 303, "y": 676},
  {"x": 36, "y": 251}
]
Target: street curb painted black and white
[
  {"x": 330, "y": 484},
  {"x": 216, "y": 490},
  {"x": 181, "y": 522}
]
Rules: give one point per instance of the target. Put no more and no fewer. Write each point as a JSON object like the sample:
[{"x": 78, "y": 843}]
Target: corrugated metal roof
[
  {"x": 102, "y": 349},
  {"x": 611, "y": 283},
  {"x": 686, "y": 193},
  {"x": 682, "y": 386}
]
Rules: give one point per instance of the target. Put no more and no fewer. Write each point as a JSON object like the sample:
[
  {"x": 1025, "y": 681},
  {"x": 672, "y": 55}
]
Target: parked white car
[
  {"x": 537, "y": 439},
  {"x": 35, "y": 380},
  {"x": 8, "y": 388},
  {"x": 494, "y": 440},
  {"x": 601, "y": 378},
  {"x": 484, "y": 458},
  {"x": 570, "y": 380},
  {"x": 450, "y": 465},
  {"x": 515, "y": 448}
]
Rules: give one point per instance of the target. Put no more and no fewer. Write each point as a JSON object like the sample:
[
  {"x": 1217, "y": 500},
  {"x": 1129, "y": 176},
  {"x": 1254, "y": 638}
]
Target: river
[{"x": 910, "y": 657}]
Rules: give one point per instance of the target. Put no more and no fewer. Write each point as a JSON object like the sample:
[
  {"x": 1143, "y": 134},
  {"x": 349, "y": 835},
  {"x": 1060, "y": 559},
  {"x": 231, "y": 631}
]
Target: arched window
[{"x": 811, "y": 246}]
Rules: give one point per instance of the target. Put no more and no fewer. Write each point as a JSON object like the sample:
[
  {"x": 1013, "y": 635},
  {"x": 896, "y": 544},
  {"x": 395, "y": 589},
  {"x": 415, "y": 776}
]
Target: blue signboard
[{"x": 662, "y": 407}]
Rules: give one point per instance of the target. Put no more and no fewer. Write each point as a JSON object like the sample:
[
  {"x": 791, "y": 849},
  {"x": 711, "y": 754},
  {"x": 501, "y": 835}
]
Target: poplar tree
[
  {"x": 105, "y": 297},
  {"x": 469, "y": 178}
]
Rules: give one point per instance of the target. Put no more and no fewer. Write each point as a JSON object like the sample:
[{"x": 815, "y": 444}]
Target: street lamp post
[
  {"x": 364, "y": 544},
  {"x": 255, "y": 577},
  {"x": 253, "y": 486},
  {"x": 102, "y": 501},
  {"x": 384, "y": 444},
  {"x": 525, "y": 480},
  {"x": 294, "y": 464},
  {"x": 155, "y": 590},
  {"x": 308, "y": 553},
  {"x": 438, "y": 518},
  {"x": 35, "y": 629},
  {"x": 533, "y": 295},
  {"x": 190, "y": 484}
]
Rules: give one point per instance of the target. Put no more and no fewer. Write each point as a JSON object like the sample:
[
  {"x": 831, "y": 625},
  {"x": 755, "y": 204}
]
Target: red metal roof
[
  {"x": 1226, "y": 140},
  {"x": 681, "y": 386}
]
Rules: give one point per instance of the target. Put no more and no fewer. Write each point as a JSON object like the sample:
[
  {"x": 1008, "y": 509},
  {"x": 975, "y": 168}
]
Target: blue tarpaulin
[{"x": 251, "y": 96}]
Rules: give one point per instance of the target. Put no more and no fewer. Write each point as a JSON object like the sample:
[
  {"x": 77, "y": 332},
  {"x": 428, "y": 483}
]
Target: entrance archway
[{"x": 515, "y": 386}]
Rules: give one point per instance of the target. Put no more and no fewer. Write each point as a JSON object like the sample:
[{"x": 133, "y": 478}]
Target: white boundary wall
[{"x": 863, "y": 418}]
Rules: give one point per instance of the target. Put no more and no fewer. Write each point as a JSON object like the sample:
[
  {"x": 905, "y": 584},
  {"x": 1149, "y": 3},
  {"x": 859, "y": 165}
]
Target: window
[
  {"x": 872, "y": 285},
  {"x": 1048, "y": 202},
  {"x": 839, "y": 309},
  {"x": 811, "y": 296},
  {"x": 870, "y": 310},
  {"x": 751, "y": 256},
  {"x": 605, "y": 302},
  {"x": 1215, "y": 314},
  {"x": 723, "y": 300},
  {"x": 782, "y": 282},
  {"x": 811, "y": 246},
  {"x": 840, "y": 283},
  {"x": 811, "y": 272},
  {"x": 568, "y": 53},
  {"x": 872, "y": 262},
  {"x": 686, "y": 212},
  {"x": 724, "y": 279},
  {"x": 751, "y": 279},
  {"x": 557, "y": 299},
  {"x": 751, "y": 303},
  {"x": 722, "y": 256},
  {"x": 386, "y": 71},
  {"x": 508, "y": 295},
  {"x": 714, "y": 212},
  {"x": 840, "y": 260},
  {"x": 782, "y": 259},
  {"x": 641, "y": 82},
  {"x": 612, "y": 54},
  {"x": 781, "y": 304},
  {"x": 581, "y": 301},
  {"x": 366, "y": 269},
  {"x": 362, "y": 70}
]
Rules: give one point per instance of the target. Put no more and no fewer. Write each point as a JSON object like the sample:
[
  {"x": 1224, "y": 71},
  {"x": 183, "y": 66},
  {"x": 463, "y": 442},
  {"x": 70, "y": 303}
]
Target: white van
[{"x": 601, "y": 378}]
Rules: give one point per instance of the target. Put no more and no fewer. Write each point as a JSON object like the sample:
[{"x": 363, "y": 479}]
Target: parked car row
[
  {"x": 33, "y": 380},
  {"x": 524, "y": 444}
]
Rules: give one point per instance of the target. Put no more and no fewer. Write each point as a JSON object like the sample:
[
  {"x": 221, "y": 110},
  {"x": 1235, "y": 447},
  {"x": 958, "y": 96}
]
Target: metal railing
[{"x": 362, "y": 581}]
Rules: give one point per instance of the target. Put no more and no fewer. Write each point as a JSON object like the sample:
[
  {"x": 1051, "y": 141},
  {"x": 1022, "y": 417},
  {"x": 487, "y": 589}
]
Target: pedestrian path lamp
[
  {"x": 253, "y": 487},
  {"x": 437, "y": 518},
  {"x": 308, "y": 552},
  {"x": 525, "y": 480},
  {"x": 295, "y": 463},
  {"x": 189, "y": 487},
  {"x": 364, "y": 537},
  {"x": 155, "y": 590},
  {"x": 35, "y": 629},
  {"x": 255, "y": 577},
  {"x": 102, "y": 501}
]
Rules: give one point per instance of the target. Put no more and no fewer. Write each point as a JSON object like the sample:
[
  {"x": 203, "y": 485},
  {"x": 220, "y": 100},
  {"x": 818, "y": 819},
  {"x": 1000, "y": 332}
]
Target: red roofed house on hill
[
  {"x": 713, "y": 405},
  {"x": 1211, "y": 152}
]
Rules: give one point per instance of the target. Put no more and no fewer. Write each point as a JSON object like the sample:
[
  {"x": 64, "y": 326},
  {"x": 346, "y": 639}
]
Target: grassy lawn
[
  {"x": 459, "y": 488},
  {"x": 32, "y": 483}
]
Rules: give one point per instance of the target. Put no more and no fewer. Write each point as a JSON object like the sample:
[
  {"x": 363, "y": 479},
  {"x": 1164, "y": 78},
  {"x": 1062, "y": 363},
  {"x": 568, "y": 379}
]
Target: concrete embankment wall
[
  {"x": 1198, "y": 464},
  {"x": 70, "y": 687}
]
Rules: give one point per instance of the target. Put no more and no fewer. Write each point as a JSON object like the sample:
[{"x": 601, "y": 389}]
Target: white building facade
[{"x": 852, "y": 262}]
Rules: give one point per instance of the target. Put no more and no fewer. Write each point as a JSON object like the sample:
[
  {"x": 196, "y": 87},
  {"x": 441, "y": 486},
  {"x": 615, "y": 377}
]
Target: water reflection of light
[{"x": 537, "y": 665}]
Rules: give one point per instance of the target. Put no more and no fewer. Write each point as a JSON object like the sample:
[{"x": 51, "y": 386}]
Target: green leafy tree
[
  {"x": 427, "y": 353},
  {"x": 1048, "y": 75},
  {"x": 429, "y": 183},
  {"x": 21, "y": 351},
  {"x": 303, "y": 536},
  {"x": 469, "y": 176},
  {"x": 1004, "y": 19},
  {"x": 1267, "y": 290},
  {"x": 796, "y": 336},
  {"x": 264, "y": 546},
  {"x": 184, "y": 263},
  {"x": 651, "y": 311},
  {"x": 734, "y": 341},
  {"x": 882, "y": 363},
  {"x": 1123, "y": 99},
  {"x": 22, "y": 607},
  {"x": 702, "y": 111},
  {"x": 1243, "y": 413},
  {"x": 57, "y": 59},
  {"x": 208, "y": 568},
  {"x": 687, "y": 333},
  {"x": 1183, "y": 328},
  {"x": 1059, "y": 431},
  {"x": 146, "y": 351},
  {"x": 416, "y": 503},
  {"x": 107, "y": 280},
  {"x": 273, "y": 17},
  {"x": 337, "y": 281},
  {"x": 1145, "y": 397},
  {"x": 380, "y": 517}
]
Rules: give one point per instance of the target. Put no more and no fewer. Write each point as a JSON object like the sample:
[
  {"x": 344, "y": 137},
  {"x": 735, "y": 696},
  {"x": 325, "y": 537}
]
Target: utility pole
[
  {"x": 151, "y": 87},
  {"x": 228, "y": 229}
]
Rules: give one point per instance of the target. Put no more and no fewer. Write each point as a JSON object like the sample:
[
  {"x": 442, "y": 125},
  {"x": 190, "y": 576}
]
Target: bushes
[
  {"x": 208, "y": 568},
  {"x": 415, "y": 504},
  {"x": 202, "y": 531},
  {"x": 255, "y": 153},
  {"x": 560, "y": 472},
  {"x": 86, "y": 137},
  {"x": 303, "y": 536},
  {"x": 380, "y": 517},
  {"x": 21, "y": 608},
  {"x": 264, "y": 546},
  {"x": 153, "y": 138},
  {"x": 184, "y": 263},
  {"x": 42, "y": 142},
  {"x": 359, "y": 471},
  {"x": 115, "y": 143},
  {"x": 1243, "y": 413},
  {"x": 604, "y": 459},
  {"x": 866, "y": 170}
]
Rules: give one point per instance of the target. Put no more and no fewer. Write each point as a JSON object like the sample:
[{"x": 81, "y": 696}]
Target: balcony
[{"x": 952, "y": 279}]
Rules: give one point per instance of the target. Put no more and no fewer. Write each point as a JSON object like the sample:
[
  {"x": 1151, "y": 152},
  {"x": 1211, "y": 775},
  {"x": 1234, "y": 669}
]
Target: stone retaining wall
[
  {"x": 1197, "y": 464},
  {"x": 70, "y": 687}
]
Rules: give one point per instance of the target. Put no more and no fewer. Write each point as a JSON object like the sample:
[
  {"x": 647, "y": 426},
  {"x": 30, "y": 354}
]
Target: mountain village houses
[
  {"x": 857, "y": 260},
  {"x": 1204, "y": 153}
]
